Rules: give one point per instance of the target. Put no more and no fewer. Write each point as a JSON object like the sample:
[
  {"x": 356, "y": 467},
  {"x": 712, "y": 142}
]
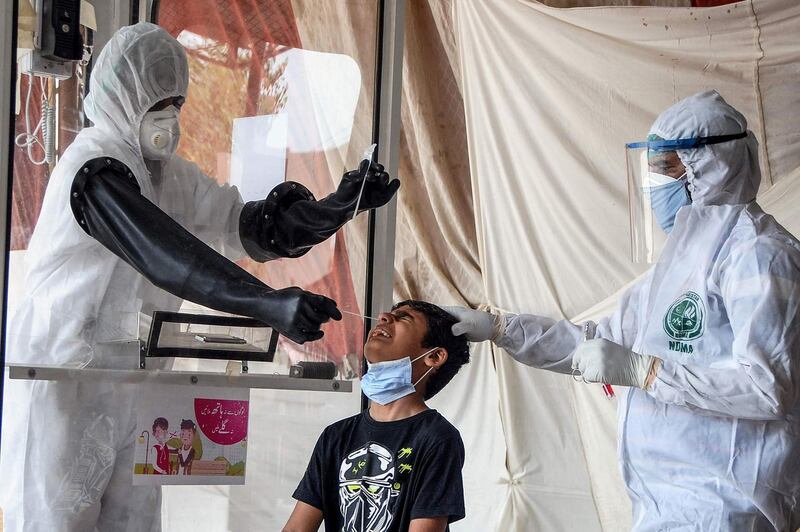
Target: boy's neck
[{"x": 403, "y": 408}]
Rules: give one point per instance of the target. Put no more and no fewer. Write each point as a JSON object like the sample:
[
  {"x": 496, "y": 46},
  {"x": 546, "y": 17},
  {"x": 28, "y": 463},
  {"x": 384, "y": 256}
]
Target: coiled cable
[{"x": 46, "y": 124}]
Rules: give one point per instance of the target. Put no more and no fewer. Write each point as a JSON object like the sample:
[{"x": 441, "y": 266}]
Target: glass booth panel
[
  {"x": 275, "y": 95},
  {"x": 278, "y": 91},
  {"x": 260, "y": 112},
  {"x": 309, "y": 95},
  {"x": 304, "y": 137}
]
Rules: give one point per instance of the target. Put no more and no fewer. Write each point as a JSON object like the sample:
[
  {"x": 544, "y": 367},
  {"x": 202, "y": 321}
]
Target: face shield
[{"x": 658, "y": 188}]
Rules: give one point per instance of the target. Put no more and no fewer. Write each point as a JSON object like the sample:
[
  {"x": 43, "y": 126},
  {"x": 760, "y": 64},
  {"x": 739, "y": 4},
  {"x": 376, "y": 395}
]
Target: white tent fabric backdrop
[{"x": 551, "y": 96}]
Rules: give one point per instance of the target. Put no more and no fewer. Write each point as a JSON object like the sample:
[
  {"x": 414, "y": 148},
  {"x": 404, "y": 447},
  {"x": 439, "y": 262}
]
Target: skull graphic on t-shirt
[{"x": 367, "y": 488}]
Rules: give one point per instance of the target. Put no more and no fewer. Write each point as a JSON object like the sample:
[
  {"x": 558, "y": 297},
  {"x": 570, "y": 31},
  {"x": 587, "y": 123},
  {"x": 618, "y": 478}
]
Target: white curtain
[{"x": 551, "y": 96}]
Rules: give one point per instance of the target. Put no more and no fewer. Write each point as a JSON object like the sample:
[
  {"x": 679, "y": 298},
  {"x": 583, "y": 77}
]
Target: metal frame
[
  {"x": 176, "y": 378},
  {"x": 387, "y": 136},
  {"x": 8, "y": 41},
  {"x": 386, "y": 133},
  {"x": 111, "y": 15},
  {"x": 140, "y": 11}
]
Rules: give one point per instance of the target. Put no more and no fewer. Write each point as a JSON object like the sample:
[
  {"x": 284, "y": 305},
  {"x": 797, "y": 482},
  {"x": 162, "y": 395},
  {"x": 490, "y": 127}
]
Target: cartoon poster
[{"x": 191, "y": 435}]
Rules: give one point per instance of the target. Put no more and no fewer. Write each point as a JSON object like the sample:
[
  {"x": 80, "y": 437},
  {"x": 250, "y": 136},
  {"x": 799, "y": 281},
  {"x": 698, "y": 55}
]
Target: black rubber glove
[
  {"x": 289, "y": 222},
  {"x": 298, "y": 310},
  {"x": 107, "y": 203},
  {"x": 378, "y": 189}
]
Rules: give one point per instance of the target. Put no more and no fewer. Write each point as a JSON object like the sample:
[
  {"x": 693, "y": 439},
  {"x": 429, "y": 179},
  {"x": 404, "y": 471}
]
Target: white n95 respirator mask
[{"x": 159, "y": 133}]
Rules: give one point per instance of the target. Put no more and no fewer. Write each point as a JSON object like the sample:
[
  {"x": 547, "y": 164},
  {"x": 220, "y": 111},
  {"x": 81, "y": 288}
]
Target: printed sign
[{"x": 191, "y": 435}]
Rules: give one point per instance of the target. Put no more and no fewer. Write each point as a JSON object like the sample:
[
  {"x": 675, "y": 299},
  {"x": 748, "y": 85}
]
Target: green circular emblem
[{"x": 684, "y": 319}]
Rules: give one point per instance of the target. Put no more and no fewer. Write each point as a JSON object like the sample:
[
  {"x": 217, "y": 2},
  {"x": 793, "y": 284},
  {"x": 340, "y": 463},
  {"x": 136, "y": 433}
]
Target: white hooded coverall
[
  {"x": 67, "y": 449},
  {"x": 714, "y": 444}
]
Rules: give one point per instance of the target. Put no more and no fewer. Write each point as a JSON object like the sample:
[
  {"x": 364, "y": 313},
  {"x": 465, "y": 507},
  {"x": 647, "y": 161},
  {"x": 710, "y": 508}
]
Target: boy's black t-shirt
[{"x": 379, "y": 476}]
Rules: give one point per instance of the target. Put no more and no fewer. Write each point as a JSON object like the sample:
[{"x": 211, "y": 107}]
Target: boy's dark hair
[
  {"x": 440, "y": 335},
  {"x": 187, "y": 424},
  {"x": 160, "y": 422}
]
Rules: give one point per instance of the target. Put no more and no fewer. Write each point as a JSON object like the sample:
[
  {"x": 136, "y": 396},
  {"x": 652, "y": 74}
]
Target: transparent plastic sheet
[{"x": 647, "y": 238}]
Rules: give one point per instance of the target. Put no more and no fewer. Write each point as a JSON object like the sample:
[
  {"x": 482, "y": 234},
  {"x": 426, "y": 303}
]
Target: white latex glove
[
  {"x": 604, "y": 361},
  {"x": 477, "y": 325}
]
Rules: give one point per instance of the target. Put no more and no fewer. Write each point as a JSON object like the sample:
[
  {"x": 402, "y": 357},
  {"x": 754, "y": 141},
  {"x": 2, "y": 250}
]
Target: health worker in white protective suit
[
  {"x": 708, "y": 341},
  {"x": 128, "y": 227}
]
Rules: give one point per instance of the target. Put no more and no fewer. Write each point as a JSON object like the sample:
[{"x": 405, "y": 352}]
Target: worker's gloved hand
[
  {"x": 477, "y": 325},
  {"x": 290, "y": 221},
  {"x": 610, "y": 363},
  {"x": 297, "y": 314},
  {"x": 378, "y": 189}
]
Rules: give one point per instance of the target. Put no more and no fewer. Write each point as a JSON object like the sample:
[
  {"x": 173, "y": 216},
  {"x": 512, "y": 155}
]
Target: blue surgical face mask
[
  {"x": 386, "y": 382},
  {"x": 667, "y": 199}
]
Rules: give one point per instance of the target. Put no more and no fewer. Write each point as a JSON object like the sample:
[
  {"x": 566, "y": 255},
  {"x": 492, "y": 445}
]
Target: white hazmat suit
[{"x": 714, "y": 443}]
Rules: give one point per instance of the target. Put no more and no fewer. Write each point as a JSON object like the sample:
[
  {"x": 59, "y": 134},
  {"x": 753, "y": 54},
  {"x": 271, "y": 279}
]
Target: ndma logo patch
[{"x": 684, "y": 319}]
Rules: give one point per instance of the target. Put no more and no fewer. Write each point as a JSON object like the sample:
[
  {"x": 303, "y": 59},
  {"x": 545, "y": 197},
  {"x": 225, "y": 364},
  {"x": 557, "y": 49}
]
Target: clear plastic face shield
[{"x": 658, "y": 188}]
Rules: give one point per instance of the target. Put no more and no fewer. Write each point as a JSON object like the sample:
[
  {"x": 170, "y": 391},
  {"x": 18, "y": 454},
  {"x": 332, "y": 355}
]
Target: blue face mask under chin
[
  {"x": 386, "y": 382},
  {"x": 666, "y": 200}
]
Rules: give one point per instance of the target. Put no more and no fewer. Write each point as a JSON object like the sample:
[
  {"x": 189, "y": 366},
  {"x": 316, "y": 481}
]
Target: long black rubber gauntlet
[
  {"x": 289, "y": 222},
  {"x": 107, "y": 203}
]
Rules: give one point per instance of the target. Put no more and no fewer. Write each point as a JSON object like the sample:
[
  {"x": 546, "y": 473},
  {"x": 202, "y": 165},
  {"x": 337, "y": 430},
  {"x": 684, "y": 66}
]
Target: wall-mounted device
[
  {"x": 54, "y": 41},
  {"x": 59, "y": 34},
  {"x": 57, "y": 40}
]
